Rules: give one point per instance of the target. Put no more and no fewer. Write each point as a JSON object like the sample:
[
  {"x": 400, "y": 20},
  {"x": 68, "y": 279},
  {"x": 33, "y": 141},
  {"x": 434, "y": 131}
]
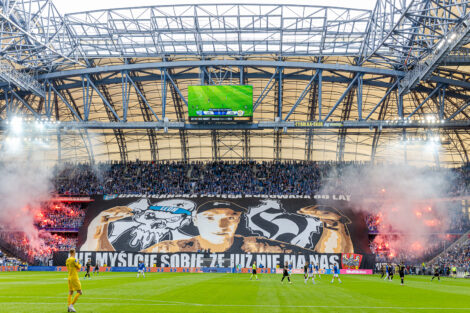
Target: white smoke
[
  {"x": 403, "y": 197},
  {"x": 25, "y": 182}
]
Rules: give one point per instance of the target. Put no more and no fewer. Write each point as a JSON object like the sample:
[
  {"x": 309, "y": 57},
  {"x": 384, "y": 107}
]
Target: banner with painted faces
[{"x": 258, "y": 225}]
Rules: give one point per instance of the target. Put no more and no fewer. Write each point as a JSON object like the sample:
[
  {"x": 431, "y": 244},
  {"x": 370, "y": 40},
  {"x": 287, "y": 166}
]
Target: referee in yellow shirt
[
  {"x": 253, "y": 273},
  {"x": 74, "y": 283}
]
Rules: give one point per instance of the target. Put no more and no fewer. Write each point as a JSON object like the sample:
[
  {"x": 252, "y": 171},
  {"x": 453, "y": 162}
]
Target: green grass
[
  {"x": 235, "y": 97},
  {"x": 183, "y": 292}
]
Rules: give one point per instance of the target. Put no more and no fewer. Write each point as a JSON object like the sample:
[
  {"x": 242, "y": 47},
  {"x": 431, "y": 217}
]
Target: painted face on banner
[
  {"x": 217, "y": 225},
  {"x": 156, "y": 221}
]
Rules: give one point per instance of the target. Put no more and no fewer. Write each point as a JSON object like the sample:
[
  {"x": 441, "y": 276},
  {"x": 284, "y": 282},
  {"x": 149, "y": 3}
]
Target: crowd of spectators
[
  {"x": 197, "y": 177},
  {"x": 42, "y": 250},
  {"x": 372, "y": 222},
  {"x": 458, "y": 255},
  {"x": 221, "y": 177},
  {"x": 7, "y": 260},
  {"x": 65, "y": 216},
  {"x": 57, "y": 224}
]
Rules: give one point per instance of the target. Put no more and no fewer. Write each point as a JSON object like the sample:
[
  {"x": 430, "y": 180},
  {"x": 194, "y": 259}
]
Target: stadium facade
[{"x": 328, "y": 83}]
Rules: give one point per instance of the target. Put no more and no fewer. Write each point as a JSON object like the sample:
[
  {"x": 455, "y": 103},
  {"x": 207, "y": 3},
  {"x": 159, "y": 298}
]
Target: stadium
[{"x": 227, "y": 157}]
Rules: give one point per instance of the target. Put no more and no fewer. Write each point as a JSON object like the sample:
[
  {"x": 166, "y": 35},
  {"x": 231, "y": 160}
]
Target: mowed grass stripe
[{"x": 185, "y": 292}]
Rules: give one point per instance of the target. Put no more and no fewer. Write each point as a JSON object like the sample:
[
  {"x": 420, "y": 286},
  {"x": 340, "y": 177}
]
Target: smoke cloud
[
  {"x": 25, "y": 182},
  {"x": 403, "y": 199}
]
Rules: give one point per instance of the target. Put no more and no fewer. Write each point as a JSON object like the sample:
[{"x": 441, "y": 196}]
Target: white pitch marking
[{"x": 238, "y": 305}]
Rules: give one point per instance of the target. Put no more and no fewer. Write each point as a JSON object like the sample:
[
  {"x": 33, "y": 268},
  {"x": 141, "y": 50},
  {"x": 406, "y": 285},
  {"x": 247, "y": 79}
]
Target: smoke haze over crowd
[
  {"x": 403, "y": 199},
  {"x": 25, "y": 182}
]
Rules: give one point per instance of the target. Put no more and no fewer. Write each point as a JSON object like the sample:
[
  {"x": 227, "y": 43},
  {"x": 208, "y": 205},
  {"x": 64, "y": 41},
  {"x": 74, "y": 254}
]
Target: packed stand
[
  {"x": 458, "y": 255},
  {"x": 40, "y": 250},
  {"x": 267, "y": 177},
  {"x": 372, "y": 222},
  {"x": 64, "y": 216}
]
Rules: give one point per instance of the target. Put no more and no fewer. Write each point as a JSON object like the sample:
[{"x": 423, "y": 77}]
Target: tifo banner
[
  {"x": 238, "y": 230},
  {"x": 181, "y": 259}
]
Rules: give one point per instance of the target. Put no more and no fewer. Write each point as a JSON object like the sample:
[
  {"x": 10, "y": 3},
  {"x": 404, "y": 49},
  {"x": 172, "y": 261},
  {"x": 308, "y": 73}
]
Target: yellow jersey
[{"x": 73, "y": 267}]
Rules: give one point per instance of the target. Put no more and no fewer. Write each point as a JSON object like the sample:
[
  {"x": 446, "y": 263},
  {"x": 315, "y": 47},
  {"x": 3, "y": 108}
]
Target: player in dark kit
[
  {"x": 382, "y": 271},
  {"x": 305, "y": 272},
  {"x": 437, "y": 273},
  {"x": 88, "y": 268},
  {"x": 401, "y": 271},
  {"x": 96, "y": 270},
  {"x": 286, "y": 273}
]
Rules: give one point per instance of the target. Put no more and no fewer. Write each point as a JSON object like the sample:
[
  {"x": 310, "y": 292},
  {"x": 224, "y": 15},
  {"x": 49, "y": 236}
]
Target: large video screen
[{"x": 220, "y": 103}]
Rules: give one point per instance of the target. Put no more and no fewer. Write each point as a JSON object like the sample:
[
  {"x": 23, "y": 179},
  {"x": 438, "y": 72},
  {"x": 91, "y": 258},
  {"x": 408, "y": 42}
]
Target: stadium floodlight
[
  {"x": 439, "y": 46},
  {"x": 452, "y": 37},
  {"x": 16, "y": 125}
]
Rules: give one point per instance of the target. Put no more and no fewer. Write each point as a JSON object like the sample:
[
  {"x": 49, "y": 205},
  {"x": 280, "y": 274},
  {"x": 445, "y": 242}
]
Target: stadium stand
[
  {"x": 60, "y": 222},
  {"x": 270, "y": 177}
]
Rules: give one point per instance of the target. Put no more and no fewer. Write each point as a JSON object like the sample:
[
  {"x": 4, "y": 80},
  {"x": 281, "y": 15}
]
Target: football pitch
[
  {"x": 234, "y": 97},
  {"x": 184, "y": 292}
]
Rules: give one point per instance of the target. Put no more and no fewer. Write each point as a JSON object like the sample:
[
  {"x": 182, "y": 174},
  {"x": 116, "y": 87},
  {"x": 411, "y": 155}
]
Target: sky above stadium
[{"x": 67, "y": 6}]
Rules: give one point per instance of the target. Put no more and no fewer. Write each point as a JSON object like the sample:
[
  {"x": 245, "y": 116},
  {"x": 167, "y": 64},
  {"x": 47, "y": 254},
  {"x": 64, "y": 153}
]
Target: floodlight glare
[{"x": 16, "y": 125}]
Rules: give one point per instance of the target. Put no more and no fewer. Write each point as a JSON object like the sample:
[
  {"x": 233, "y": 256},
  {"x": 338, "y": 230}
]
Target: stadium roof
[{"x": 329, "y": 83}]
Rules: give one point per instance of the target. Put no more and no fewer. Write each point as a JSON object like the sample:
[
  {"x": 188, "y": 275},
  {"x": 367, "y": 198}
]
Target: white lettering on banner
[
  {"x": 240, "y": 259},
  {"x": 164, "y": 260},
  {"x": 249, "y": 257},
  {"x": 300, "y": 261},
  {"x": 341, "y": 197},
  {"x": 314, "y": 259},
  {"x": 102, "y": 258},
  {"x": 153, "y": 259},
  {"x": 220, "y": 260},
  {"x": 289, "y": 259},
  {"x": 79, "y": 257},
  {"x": 137, "y": 258},
  {"x": 193, "y": 260},
  {"x": 200, "y": 260},
  {"x": 185, "y": 260},
  {"x": 261, "y": 259},
  {"x": 131, "y": 259},
  {"x": 214, "y": 259},
  {"x": 113, "y": 258},
  {"x": 232, "y": 196},
  {"x": 175, "y": 260},
  {"x": 324, "y": 261},
  {"x": 275, "y": 260},
  {"x": 121, "y": 258},
  {"x": 334, "y": 260}
]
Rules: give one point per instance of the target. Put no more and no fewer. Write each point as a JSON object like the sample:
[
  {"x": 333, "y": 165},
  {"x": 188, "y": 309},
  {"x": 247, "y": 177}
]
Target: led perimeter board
[{"x": 220, "y": 103}]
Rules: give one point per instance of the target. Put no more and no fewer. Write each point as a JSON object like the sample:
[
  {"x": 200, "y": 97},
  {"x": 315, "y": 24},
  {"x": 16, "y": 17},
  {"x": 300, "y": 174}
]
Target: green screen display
[{"x": 221, "y": 102}]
